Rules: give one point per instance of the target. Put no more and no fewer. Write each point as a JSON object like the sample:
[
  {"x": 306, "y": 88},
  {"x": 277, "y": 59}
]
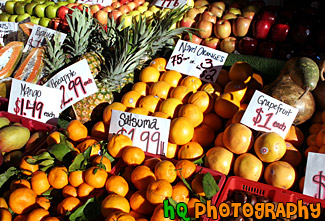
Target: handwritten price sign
[
  {"x": 38, "y": 35},
  {"x": 94, "y": 2},
  {"x": 315, "y": 176},
  {"x": 8, "y": 32},
  {"x": 197, "y": 60},
  {"x": 149, "y": 133},
  {"x": 170, "y": 3},
  {"x": 33, "y": 101},
  {"x": 75, "y": 83},
  {"x": 264, "y": 113},
  {"x": 2, "y": 6}
]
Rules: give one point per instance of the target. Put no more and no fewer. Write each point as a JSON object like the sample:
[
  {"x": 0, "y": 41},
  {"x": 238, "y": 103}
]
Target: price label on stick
[
  {"x": 197, "y": 60},
  {"x": 94, "y": 2},
  {"x": 170, "y": 3},
  {"x": 38, "y": 35},
  {"x": 315, "y": 176},
  {"x": 267, "y": 114},
  {"x": 8, "y": 32},
  {"x": 75, "y": 83},
  {"x": 34, "y": 101},
  {"x": 149, "y": 133}
]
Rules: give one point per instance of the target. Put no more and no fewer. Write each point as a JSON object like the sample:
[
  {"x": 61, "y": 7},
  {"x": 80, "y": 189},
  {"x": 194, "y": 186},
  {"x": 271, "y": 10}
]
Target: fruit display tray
[
  {"x": 219, "y": 177},
  {"x": 274, "y": 193}
]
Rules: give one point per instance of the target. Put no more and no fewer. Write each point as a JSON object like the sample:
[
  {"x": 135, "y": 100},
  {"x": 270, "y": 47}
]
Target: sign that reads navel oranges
[
  {"x": 197, "y": 60},
  {"x": 149, "y": 133},
  {"x": 267, "y": 114}
]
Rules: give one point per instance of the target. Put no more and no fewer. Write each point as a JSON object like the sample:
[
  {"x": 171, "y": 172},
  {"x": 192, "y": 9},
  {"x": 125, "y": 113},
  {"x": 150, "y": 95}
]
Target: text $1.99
[{"x": 166, "y": 3}]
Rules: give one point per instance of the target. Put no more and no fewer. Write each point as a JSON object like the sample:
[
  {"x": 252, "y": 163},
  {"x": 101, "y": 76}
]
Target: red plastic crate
[
  {"x": 219, "y": 177},
  {"x": 274, "y": 193},
  {"x": 3, "y": 104}
]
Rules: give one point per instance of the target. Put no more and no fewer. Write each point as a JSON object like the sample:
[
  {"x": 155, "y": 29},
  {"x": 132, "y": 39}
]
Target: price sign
[
  {"x": 315, "y": 176},
  {"x": 2, "y": 6},
  {"x": 38, "y": 35},
  {"x": 265, "y": 113},
  {"x": 169, "y": 3},
  {"x": 34, "y": 101},
  {"x": 149, "y": 133},
  {"x": 197, "y": 60},
  {"x": 8, "y": 32},
  {"x": 94, "y": 2},
  {"x": 75, "y": 82}
]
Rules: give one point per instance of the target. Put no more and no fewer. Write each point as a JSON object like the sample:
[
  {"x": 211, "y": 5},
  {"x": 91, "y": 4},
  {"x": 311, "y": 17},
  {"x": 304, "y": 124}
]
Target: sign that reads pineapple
[
  {"x": 8, "y": 32},
  {"x": 197, "y": 60},
  {"x": 94, "y": 2},
  {"x": 149, "y": 133},
  {"x": 170, "y": 3},
  {"x": 34, "y": 101},
  {"x": 38, "y": 35},
  {"x": 267, "y": 114},
  {"x": 75, "y": 83}
]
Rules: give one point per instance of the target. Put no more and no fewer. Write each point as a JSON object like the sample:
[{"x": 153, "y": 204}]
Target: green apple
[
  {"x": 28, "y": 1},
  {"x": 39, "y": 10},
  {"x": 148, "y": 14},
  {"x": 154, "y": 9},
  {"x": 35, "y": 20},
  {"x": 51, "y": 10},
  {"x": 22, "y": 17},
  {"x": 71, "y": 1},
  {"x": 49, "y": 3},
  {"x": 10, "y": 7},
  {"x": 126, "y": 19},
  {"x": 63, "y": 3},
  {"x": 141, "y": 8},
  {"x": 12, "y": 18},
  {"x": 44, "y": 22},
  {"x": 134, "y": 13},
  {"x": 4, "y": 17},
  {"x": 29, "y": 8},
  {"x": 39, "y": 1},
  {"x": 20, "y": 8}
]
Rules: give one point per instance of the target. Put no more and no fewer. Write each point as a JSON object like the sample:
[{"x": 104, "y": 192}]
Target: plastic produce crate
[
  {"x": 274, "y": 193},
  {"x": 219, "y": 177}
]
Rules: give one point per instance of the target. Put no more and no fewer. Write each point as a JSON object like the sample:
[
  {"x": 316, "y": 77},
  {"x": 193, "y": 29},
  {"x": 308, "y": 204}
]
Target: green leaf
[
  {"x": 60, "y": 151},
  {"x": 78, "y": 163},
  {"x": 89, "y": 211},
  {"x": 199, "y": 161},
  {"x": 8, "y": 174},
  {"x": 210, "y": 186}
]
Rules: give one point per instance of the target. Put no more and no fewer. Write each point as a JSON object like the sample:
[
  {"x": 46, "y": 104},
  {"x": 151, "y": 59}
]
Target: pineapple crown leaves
[{"x": 81, "y": 25}]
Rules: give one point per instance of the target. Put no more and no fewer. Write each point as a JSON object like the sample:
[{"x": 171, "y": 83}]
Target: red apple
[
  {"x": 193, "y": 13},
  {"x": 200, "y": 3},
  {"x": 266, "y": 49},
  {"x": 269, "y": 16},
  {"x": 240, "y": 26},
  {"x": 220, "y": 4},
  {"x": 108, "y": 9},
  {"x": 247, "y": 45},
  {"x": 54, "y": 23},
  {"x": 216, "y": 11},
  {"x": 229, "y": 16},
  {"x": 228, "y": 44},
  {"x": 131, "y": 5},
  {"x": 187, "y": 22},
  {"x": 222, "y": 29},
  {"x": 115, "y": 14},
  {"x": 261, "y": 28},
  {"x": 62, "y": 12},
  {"x": 211, "y": 42},
  {"x": 205, "y": 27},
  {"x": 116, "y": 4},
  {"x": 139, "y": 2},
  {"x": 101, "y": 16},
  {"x": 279, "y": 32},
  {"x": 124, "y": 9},
  {"x": 193, "y": 38},
  {"x": 94, "y": 8},
  {"x": 70, "y": 5},
  {"x": 208, "y": 16}
]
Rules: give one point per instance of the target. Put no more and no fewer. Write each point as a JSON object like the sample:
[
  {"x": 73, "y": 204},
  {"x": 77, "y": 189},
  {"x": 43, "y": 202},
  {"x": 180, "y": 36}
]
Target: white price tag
[
  {"x": 75, "y": 83},
  {"x": 197, "y": 60},
  {"x": 267, "y": 114},
  {"x": 34, "y": 101},
  {"x": 315, "y": 176},
  {"x": 2, "y": 6},
  {"x": 94, "y": 2},
  {"x": 38, "y": 35},
  {"x": 8, "y": 32},
  {"x": 170, "y": 3},
  {"x": 149, "y": 133}
]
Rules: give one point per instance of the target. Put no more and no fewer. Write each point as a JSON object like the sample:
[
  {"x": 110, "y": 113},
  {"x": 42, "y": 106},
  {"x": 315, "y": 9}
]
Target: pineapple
[{"x": 113, "y": 55}]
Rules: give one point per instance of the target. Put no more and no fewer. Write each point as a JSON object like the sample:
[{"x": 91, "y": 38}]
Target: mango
[
  {"x": 13, "y": 138},
  {"x": 13, "y": 158},
  {"x": 34, "y": 142},
  {"x": 4, "y": 121}
]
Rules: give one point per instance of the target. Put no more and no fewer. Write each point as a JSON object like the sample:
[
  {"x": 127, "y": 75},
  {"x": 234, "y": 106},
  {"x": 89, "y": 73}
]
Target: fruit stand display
[{"x": 73, "y": 167}]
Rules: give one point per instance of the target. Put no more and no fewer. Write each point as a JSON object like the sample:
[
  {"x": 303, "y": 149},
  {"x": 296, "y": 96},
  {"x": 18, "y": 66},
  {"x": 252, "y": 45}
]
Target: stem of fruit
[{"x": 306, "y": 91}]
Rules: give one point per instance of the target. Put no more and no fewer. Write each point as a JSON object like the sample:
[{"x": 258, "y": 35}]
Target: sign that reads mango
[
  {"x": 197, "y": 60},
  {"x": 149, "y": 133},
  {"x": 267, "y": 114},
  {"x": 34, "y": 101}
]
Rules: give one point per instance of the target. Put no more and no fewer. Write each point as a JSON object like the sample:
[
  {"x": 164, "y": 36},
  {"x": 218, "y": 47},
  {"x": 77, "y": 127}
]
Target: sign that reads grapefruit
[
  {"x": 267, "y": 114},
  {"x": 197, "y": 60},
  {"x": 75, "y": 83},
  {"x": 34, "y": 101},
  {"x": 149, "y": 133}
]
